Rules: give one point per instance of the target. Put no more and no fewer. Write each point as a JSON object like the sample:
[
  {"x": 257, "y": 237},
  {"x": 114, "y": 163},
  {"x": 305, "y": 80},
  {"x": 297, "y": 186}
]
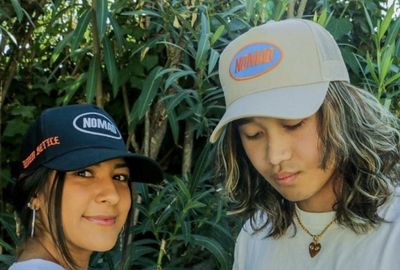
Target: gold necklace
[{"x": 315, "y": 246}]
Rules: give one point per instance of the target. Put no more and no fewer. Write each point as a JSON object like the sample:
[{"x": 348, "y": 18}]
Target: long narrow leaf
[
  {"x": 386, "y": 22},
  {"x": 61, "y": 46},
  {"x": 217, "y": 34},
  {"x": 202, "y": 50},
  {"x": 214, "y": 247},
  {"x": 101, "y": 17},
  {"x": 174, "y": 125},
  {"x": 149, "y": 91},
  {"x": 80, "y": 29},
  {"x": 368, "y": 17},
  {"x": 111, "y": 66},
  {"x": 18, "y": 9},
  {"x": 173, "y": 78},
  {"x": 393, "y": 33},
  {"x": 117, "y": 31},
  {"x": 91, "y": 80},
  {"x": 212, "y": 61},
  {"x": 11, "y": 36}
]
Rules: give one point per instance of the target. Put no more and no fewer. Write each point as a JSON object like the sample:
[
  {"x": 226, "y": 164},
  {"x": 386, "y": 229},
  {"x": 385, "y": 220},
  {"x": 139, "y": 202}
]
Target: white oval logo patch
[{"x": 96, "y": 124}]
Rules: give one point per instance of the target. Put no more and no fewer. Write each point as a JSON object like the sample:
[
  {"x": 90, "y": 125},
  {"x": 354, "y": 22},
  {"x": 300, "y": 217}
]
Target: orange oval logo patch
[{"x": 254, "y": 60}]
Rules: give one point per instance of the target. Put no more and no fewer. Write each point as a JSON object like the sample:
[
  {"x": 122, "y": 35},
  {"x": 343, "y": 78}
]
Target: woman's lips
[
  {"x": 101, "y": 220},
  {"x": 285, "y": 178}
]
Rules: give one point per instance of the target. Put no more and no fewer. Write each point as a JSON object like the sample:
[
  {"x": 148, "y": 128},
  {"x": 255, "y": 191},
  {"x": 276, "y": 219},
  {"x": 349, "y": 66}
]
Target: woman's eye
[
  {"x": 295, "y": 126},
  {"x": 253, "y": 136},
  {"x": 122, "y": 177},
  {"x": 84, "y": 173}
]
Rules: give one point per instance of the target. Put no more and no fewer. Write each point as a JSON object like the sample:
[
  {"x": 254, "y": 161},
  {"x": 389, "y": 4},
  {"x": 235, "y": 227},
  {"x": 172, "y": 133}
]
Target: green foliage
[{"x": 153, "y": 66}]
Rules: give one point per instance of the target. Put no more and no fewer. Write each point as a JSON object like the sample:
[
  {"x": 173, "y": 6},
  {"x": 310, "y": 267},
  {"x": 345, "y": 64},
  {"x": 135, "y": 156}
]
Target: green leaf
[
  {"x": 80, "y": 29},
  {"x": 339, "y": 27},
  {"x": 368, "y": 17},
  {"x": 217, "y": 34},
  {"x": 91, "y": 83},
  {"x": 111, "y": 66},
  {"x": 15, "y": 127},
  {"x": 149, "y": 91},
  {"x": 393, "y": 33},
  {"x": 174, "y": 125},
  {"x": 386, "y": 22},
  {"x": 11, "y": 36},
  {"x": 24, "y": 111},
  {"x": 392, "y": 79},
  {"x": 174, "y": 77},
  {"x": 101, "y": 17},
  {"x": 387, "y": 59},
  {"x": 202, "y": 49},
  {"x": 212, "y": 61},
  {"x": 61, "y": 46},
  {"x": 186, "y": 230},
  {"x": 214, "y": 247},
  {"x": 117, "y": 31},
  {"x": 182, "y": 188},
  {"x": 205, "y": 28},
  {"x": 18, "y": 9},
  {"x": 371, "y": 68},
  {"x": 72, "y": 87}
]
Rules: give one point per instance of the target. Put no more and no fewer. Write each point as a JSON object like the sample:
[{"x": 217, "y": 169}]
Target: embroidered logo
[
  {"x": 46, "y": 143},
  {"x": 254, "y": 60},
  {"x": 96, "y": 124}
]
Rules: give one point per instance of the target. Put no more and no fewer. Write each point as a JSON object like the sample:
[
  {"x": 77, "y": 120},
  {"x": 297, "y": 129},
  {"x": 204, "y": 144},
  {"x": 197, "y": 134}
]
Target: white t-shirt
[
  {"x": 341, "y": 248},
  {"x": 35, "y": 264}
]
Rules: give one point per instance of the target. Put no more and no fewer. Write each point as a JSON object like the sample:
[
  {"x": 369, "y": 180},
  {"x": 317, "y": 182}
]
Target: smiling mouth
[
  {"x": 285, "y": 179},
  {"x": 101, "y": 220}
]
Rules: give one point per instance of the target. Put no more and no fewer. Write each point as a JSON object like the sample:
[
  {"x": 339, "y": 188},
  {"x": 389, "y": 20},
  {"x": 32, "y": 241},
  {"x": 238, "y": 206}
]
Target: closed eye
[
  {"x": 295, "y": 126},
  {"x": 253, "y": 136}
]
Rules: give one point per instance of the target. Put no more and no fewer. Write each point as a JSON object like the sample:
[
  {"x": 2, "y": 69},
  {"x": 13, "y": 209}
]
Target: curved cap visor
[
  {"x": 293, "y": 102},
  {"x": 142, "y": 169}
]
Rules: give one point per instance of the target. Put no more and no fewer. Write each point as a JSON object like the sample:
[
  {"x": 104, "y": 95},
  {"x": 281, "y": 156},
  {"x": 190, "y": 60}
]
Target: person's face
[
  {"x": 287, "y": 153},
  {"x": 95, "y": 204}
]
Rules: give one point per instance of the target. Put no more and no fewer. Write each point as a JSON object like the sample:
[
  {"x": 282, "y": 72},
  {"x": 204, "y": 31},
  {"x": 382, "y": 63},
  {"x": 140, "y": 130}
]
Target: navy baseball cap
[{"x": 74, "y": 137}]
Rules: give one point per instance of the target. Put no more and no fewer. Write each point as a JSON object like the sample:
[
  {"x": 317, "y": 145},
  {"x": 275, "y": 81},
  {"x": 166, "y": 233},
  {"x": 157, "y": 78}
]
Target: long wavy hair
[{"x": 356, "y": 132}]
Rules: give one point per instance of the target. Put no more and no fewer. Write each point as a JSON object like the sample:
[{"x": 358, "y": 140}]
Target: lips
[
  {"x": 101, "y": 220},
  {"x": 285, "y": 178}
]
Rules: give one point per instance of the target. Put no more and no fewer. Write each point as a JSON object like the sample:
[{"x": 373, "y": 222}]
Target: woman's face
[
  {"x": 95, "y": 204},
  {"x": 287, "y": 153}
]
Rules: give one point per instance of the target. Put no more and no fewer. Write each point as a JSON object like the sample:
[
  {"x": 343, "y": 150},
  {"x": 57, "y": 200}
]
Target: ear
[{"x": 35, "y": 202}]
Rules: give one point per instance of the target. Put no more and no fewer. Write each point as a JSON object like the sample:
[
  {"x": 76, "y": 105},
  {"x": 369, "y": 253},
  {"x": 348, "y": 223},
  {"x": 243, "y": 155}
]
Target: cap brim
[
  {"x": 143, "y": 169},
  {"x": 284, "y": 103}
]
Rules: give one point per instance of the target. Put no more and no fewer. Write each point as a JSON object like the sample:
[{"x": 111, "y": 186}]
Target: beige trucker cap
[{"x": 278, "y": 69}]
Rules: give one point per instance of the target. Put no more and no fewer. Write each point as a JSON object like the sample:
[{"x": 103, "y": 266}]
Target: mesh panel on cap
[{"x": 326, "y": 45}]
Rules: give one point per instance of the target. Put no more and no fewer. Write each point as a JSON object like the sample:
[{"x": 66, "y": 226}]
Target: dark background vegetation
[{"x": 153, "y": 66}]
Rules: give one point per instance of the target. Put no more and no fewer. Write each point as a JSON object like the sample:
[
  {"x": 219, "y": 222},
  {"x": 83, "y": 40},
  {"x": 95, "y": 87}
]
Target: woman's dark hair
[{"x": 35, "y": 183}]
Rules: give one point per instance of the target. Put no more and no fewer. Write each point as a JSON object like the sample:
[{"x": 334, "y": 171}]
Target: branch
[
  {"x": 291, "y": 9},
  {"x": 302, "y": 7},
  {"x": 187, "y": 148},
  {"x": 96, "y": 52}
]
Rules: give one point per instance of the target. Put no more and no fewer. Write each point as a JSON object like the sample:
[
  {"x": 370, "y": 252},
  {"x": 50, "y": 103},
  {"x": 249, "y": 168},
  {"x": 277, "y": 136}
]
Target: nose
[
  {"x": 108, "y": 191},
  {"x": 278, "y": 149}
]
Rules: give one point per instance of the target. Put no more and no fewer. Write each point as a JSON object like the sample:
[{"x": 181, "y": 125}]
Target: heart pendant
[{"x": 314, "y": 248}]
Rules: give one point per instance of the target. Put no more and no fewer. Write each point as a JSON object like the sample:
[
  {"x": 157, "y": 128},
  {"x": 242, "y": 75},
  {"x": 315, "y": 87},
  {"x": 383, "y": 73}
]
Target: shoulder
[
  {"x": 251, "y": 227},
  {"x": 390, "y": 211},
  {"x": 35, "y": 264}
]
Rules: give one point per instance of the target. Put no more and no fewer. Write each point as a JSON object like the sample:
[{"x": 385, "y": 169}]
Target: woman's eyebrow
[
  {"x": 244, "y": 121},
  {"x": 121, "y": 165}
]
